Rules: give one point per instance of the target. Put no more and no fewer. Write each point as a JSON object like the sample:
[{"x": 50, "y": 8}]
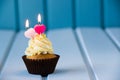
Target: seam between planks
[
  {"x": 8, "y": 50},
  {"x": 85, "y": 56},
  {"x": 112, "y": 38}
]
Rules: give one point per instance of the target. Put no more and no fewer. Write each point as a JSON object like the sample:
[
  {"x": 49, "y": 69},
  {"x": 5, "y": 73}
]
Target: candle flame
[
  {"x": 27, "y": 23},
  {"x": 39, "y": 18}
]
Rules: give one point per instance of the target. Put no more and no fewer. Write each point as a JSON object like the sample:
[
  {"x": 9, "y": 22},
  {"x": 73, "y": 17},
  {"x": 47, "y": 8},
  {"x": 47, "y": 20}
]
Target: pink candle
[
  {"x": 39, "y": 28},
  {"x": 30, "y": 32}
]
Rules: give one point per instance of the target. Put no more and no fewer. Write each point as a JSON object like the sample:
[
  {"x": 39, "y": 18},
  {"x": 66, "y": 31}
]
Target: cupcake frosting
[{"x": 39, "y": 45}]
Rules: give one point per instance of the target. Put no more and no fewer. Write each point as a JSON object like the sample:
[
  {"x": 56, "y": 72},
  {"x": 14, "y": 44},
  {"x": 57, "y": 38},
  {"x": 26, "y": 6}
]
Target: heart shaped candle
[
  {"x": 40, "y": 28},
  {"x": 30, "y": 33}
]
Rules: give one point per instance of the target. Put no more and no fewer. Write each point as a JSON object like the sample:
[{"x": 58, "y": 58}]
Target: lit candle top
[
  {"x": 39, "y": 28},
  {"x": 39, "y": 18},
  {"x": 30, "y": 32},
  {"x": 27, "y": 24}
]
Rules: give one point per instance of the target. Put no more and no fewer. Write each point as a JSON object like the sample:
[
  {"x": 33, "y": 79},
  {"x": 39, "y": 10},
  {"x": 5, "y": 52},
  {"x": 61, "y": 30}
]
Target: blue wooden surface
[
  {"x": 59, "y": 13},
  {"x": 114, "y": 34},
  {"x": 7, "y": 14},
  {"x": 112, "y": 13},
  {"x": 14, "y": 68},
  {"x": 71, "y": 65},
  {"x": 103, "y": 53},
  {"x": 88, "y": 13},
  {"x": 29, "y": 9},
  {"x": 6, "y": 39}
]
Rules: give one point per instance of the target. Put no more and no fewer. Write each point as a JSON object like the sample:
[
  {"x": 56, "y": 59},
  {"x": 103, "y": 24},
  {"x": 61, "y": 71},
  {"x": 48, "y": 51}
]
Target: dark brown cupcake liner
[{"x": 41, "y": 67}]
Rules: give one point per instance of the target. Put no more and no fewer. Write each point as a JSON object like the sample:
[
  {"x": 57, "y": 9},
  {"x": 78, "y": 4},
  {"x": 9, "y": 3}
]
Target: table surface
[{"x": 85, "y": 54}]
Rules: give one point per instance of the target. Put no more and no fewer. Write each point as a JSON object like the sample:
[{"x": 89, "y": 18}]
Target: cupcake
[{"x": 39, "y": 57}]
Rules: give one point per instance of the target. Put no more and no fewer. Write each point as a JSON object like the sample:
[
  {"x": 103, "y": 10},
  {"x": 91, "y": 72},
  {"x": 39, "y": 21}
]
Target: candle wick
[
  {"x": 39, "y": 23},
  {"x": 27, "y": 28}
]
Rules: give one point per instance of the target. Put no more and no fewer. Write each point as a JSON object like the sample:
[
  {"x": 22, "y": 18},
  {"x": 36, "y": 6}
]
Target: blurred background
[{"x": 60, "y": 13}]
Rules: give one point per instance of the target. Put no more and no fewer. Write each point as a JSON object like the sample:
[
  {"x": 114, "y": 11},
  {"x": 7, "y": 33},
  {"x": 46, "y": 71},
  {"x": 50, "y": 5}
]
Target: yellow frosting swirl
[{"x": 39, "y": 44}]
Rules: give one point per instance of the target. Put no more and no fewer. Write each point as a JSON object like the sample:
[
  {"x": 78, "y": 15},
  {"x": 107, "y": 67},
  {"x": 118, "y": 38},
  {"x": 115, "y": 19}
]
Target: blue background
[{"x": 60, "y": 13}]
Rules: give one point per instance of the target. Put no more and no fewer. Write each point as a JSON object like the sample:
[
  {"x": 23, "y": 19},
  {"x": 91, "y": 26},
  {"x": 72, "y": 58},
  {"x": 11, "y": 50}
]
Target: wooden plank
[
  {"x": 7, "y": 14},
  {"x": 88, "y": 13},
  {"x": 111, "y": 13},
  {"x": 29, "y": 9},
  {"x": 104, "y": 55},
  {"x": 5, "y": 43},
  {"x": 14, "y": 68},
  {"x": 59, "y": 13},
  {"x": 114, "y": 33},
  {"x": 70, "y": 65}
]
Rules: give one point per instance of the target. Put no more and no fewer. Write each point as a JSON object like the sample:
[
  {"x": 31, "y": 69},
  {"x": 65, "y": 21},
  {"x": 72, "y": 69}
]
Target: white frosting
[{"x": 39, "y": 44}]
